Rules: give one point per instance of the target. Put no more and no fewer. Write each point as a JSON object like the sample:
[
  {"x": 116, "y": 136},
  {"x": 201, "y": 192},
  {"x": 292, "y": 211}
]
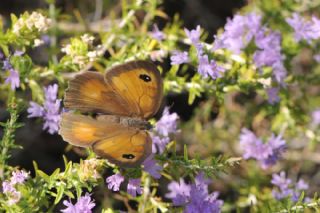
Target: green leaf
[{"x": 60, "y": 191}]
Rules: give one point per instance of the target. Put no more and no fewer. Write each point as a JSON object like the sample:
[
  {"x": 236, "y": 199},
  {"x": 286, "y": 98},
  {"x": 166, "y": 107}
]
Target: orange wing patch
[
  {"x": 88, "y": 92},
  {"x": 139, "y": 84},
  {"x": 128, "y": 149}
]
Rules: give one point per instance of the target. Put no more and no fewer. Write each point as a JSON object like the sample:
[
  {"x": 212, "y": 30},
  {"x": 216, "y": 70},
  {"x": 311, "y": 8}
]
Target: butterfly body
[
  {"x": 123, "y": 99},
  {"x": 137, "y": 123}
]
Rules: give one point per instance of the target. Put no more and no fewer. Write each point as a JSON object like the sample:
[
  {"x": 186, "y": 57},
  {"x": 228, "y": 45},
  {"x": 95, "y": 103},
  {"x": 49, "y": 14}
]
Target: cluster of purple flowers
[
  {"x": 240, "y": 31},
  {"x": 134, "y": 185},
  {"x": 266, "y": 153},
  {"x": 50, "y": 111},
  {"x": 304, "y": 29},
  {"x": 8, "y": 187},
  {"x": 194, "y": 197},
  {"x": 286, "y": 188},
  {"x": 13, "y": 78},
  {"x": 164, "y": 127},
  {"x": 206, "y": 67},
  {"x": 83, "y": 205}
]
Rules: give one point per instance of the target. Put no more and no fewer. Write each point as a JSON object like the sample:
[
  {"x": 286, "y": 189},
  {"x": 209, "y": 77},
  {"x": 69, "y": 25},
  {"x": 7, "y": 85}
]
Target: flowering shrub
[{"x": 250, "y": 143}]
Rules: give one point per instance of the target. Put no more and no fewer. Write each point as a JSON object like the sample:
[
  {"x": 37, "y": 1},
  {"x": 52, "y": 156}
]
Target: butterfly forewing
[
  {"x": 88, "y": 92},
  {"x": 140, "y": 86}
]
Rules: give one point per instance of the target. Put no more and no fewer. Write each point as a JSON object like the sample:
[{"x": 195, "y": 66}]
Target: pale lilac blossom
[
  {"x": 50, "y": 111},
  {"x": 114, "y": 182},
  {"x": 19, "y": 177},
  {"x": 194, "y": 36},
  {"x": 194, "y": 197},
  {"x": 285, "y": 188},
  {"x": 316, "y": 57},
  {"x": 167, "y": 123},
  {"x": 156, "y": 33},
  {"x": 7, "y": 187},
  {"x": 273, "y": 95},
  {"x": 35, "y": 110},
  {"x": 179, "y": 57},
  {"x": 10, "y": 191},
  {"x": 13, "y": 79},
  {"x": 134, "y": 187},
  {"x": 315, "y": 115},
  {"x": 209, "y": 68},
  {"x": 238, "y": 32},
  {"x": 83, "y": 205},
  {"x": 267, "y": 154},
  {"x": 159, "y": 143},
  {"x": 150, "y": 165},
  {"x": 304, "y": 29}
]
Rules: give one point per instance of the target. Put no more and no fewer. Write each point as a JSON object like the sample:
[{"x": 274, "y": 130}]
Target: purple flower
[
  {"x": 167, "y": 123},
  {"x": 253, "y": 146},
  {"x": 273, "y": 96},
  {"x": 134, "y": 187},
  {"x": 7, "y": 187},
  {"x": 179, "y": 57},
  {"x": 52, "y": 116},
  {"x": 266, "y": 153},
  {"x": 50, "y": 111},
  {"x": 206, "y": 68},
  {"x": 201, "y": 201},
  {"x": 159, "y": 143},
  {"x": 238, "y": 32},
  {"x": 83, "y": 205},
  {"x": 156, "y": 33},
  {"x": 279, "y": 72},
  {"x": 6, "y": 64},
  {"x": 317, "y": 58},
  {"x": 115, "y": 181},
  {"x": 51, "y": 92},
  {"x": 18, "y": 177},
  {"x": 35, "y": 110},
  {"x": 178, "y": 192},
  {"x": 280, "y": 180},
  {"x": 193, "y": 35},
  {"x": 13, "y": 79},
  {"x": 151, "y": 166},
  {"x": 285, "y": 187},
  {"x": 194, "y": 197},
  {"x": 304, "y": 29},
  {"x": 316, "y": 117},
  {"x": 269, "y": 48},
  {"x": 277, "y": 146},
  {"x": 12, "y": 194},
  {"x": 302, "y": 185}
]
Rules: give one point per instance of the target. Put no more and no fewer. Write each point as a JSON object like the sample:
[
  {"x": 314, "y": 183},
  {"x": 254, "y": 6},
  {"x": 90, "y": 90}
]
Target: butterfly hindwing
[
  {"x": 139, "y": 84},
  {"x": 122, "y": 145},
  {"x": 128, "y": 149}
]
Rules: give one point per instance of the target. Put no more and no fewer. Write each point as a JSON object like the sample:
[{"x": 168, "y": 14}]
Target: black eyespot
[
  {"x": 128, "y": 156},
  {"x": 145, "y": 77}
]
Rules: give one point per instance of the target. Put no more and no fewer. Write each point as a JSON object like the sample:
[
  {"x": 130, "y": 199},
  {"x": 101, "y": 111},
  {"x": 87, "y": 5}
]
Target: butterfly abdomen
[{"x": 136, "y": 123}]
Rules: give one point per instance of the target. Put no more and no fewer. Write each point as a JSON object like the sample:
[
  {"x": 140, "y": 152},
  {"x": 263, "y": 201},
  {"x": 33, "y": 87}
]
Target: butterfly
[{"x": 123, "y": 99}]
